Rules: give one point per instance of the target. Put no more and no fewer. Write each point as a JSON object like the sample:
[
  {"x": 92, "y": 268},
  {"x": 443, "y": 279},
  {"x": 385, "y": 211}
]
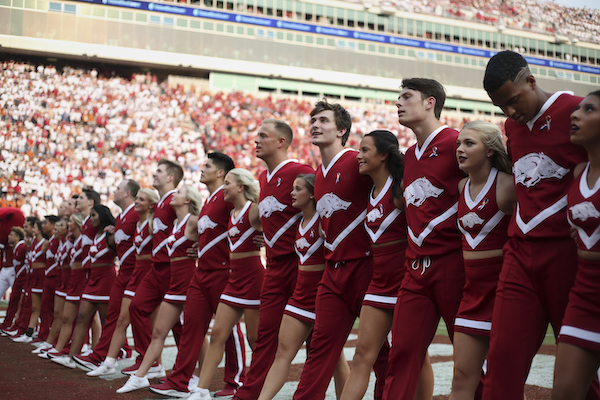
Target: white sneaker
[
  {"x": 200, "y": 394},
  {"x": 65, "y": 361},
  {"x": 193, "y": 383},
  {"x": 42, "y": 347},
  {"x": 134, "y": 383},
  {"x": 103, "y": 370},
  {"x": 23, "y": 339},
  {"x": 156, "y": 372},
  {"x": 86, "y": 349}
]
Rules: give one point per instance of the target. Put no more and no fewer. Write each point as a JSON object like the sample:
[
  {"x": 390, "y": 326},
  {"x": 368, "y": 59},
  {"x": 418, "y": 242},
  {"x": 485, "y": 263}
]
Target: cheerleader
[
  {"x": 145, "y": 201},
  {"x": 96, "y": 293},
  {"x": 299, "y": 314},
  {"x": 241, "y": 295},
  {"x": 379, "y": 157},
  {"x": 486, "y": 201},
  {"x": 186, "y": 202},
  {"x": 578, "y": 353}
]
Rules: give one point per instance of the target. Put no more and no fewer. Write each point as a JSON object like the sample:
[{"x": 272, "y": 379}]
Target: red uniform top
[
  {"x": 384, "y": 223},
  {"x": 213, "y": 250},
  {"x": 100, "y": 253},
  {"x": 308, "y": 244},
  {"x": 483, "y": 225},
  {"x": 77, "y": 251},
  {"x": 342, "y": 205},
  {"x": 51, "y": 261},
  {"x": 143, "y": 238},
  {"x": 278, "y": 218},
  {"x": 63, "y": 252},
  {"x": 125, "y": 224},
  {"x": 240, "y": 232},
  {"x": 37, "y": 255},
  {"x": 29, "y": 253},
  {"x": 583, "y": 214},
  {"x": 164, "y": 216},
  {"x": 431, "y": 177},
  {"x": 178, "y": 243},
  {"x": 19, "y": 253},
  {"x": 544, "y": 159},
  {"x": 88, "y": 233}
]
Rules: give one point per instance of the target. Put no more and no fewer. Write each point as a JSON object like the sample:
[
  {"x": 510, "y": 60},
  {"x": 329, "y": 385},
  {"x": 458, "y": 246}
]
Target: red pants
[
  {"x": 278, "y": 285},
  {"x": 148, "y": 297},
  {"x": 432, "y": 287},
  {"x": 22, "y": 321},
  {"x": 47, "y": 307},
  {"x": 339, "y": 299},
  {"x": 112, "y": 316},
  {"x": 15, "y": 298},
  {"x": 202, "y": 301},
  {"x": 533, "y": 290}
]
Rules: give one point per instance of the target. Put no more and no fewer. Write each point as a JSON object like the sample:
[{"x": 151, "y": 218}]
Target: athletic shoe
[
  {"x": 44, "y": 355},
  {"x": 193, "y": 383},
  {"x": 156, "y": 372},
  {"x": 23, "y": 339},
  {"x": 200, "y": 394},
  {"x": 166, "y": 389},
  {"x": 228, "y": 391},
  {"x": 133, "y": 369},
  {"x": 103, "y": 370},
  {"x": 11, "y": 332},
  {"x": 53, "y": 353},
  {"x": 124, "y": 354},
  {"x": 134, "y": 383},
  {"x": 42, "y": 347},
  {"x": 86, "y": 361},
  {"x": 65, "y": 361},
  {"x": 86, "y": 349}
]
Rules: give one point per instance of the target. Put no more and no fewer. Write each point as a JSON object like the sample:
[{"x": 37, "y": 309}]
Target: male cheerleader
[{"x": 279, "y": 221}]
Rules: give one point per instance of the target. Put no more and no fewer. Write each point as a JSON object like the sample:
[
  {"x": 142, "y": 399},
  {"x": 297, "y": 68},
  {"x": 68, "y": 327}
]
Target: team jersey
[
  {"x": 278, "y": 218},
  {"x": 582, "y": 212},
  {"x": 308, "y": 244},
  {"x": 19, "y": 253},
  {"x": 76, "y": 255},
  {"x": 51, "y": 261},
  {"x": 342, "y": 205},
  {"x": 544, "y": 159},
  {"x": 164, "y": 216},
  {"x": 143, "y": 238},
  {"x": 99, "y": 252},
  {"x": 125, "y": 224},
  {"x": 431, "y": 177},
  {"x": 87, "y": 239},
  {"x": 240, "y": 232},
  {"x": 213, "y": 249},
  {"x": 178, "y": 243},
  {"x": 483, "y": 225},
  {"x": 63, "y": 253},
  {"x": 384, "y": 222},
  {"x": 37, "y": 255}
]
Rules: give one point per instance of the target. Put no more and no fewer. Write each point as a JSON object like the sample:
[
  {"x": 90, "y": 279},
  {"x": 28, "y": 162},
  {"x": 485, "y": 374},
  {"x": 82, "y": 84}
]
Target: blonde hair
[
  {"x": 491, "y": 137},
  {"x": 152, "y": 199},
  {"x": 244, "y": 177},
  {"x": 195, "y": 199},
  {"x": 77, "y": 218}
]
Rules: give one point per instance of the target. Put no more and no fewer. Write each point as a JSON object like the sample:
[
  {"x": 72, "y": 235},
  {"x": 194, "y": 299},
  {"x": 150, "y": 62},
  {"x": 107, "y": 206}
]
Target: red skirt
[
  {"x": 141, "y": 268},
  {"x": 244, "y": 284},
  {"x": 76, "y": 285},
  {"x": 99, "y": 284},
  {"x": 388, "y": 273},
  {"x": 181, "y": 276},
  {"x": 302, "y": 303}
]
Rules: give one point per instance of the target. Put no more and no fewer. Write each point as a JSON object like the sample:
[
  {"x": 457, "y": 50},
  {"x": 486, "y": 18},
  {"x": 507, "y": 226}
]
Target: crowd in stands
[{"x": 61, "y": 131}]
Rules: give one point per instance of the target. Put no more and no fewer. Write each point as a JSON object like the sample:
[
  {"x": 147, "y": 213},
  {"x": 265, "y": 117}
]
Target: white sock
[
  {"x": 110, "y": 361},
  {"x": 203, "y": 391}
]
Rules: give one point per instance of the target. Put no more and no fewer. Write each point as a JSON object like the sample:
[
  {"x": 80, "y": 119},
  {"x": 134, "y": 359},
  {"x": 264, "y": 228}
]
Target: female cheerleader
[
  {"x": 145, "y": 201},
  {"x": 578, "y": 353},
  {"x": 299, "y": 314},
  {"x": 242, "y": 292},
  {"x": 186, "y": 202},
  {"x": 379, "y": 157},
  {"x": 487, "y": 199},
  {"x": 96, "y": 294}
]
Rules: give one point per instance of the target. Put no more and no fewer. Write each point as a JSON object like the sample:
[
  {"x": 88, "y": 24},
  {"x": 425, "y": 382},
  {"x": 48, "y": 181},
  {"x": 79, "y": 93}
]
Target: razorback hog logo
[
  {"x": 269, "y": 205},
  {"x": 330, "y": 203},
  {"x": 302, "y": 243},
  {"x": 157, "y": 226},
  {"x": 584, "y": 210},
  {"x": 420, "y": 190},
  {"x": 534, "y": 167},
  {"x": 121, "y": 236},
  {"x": 233, "y": 231},
  {"x": 374, "y": 214},
  {"x": 138, "y": 239},
  {"x": 205, "y": 223},
  {"x": 470, "y": 220}
]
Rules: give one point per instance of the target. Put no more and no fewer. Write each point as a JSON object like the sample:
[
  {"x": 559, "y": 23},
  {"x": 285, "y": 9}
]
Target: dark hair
[
  {"x": 502, "y": 67},
  {"x": 91, "y": 194},
  {"x": 31, "y": 220},
  {"x": 18, "y": 231},
  {"x": 173, "y": 168},
  {"x": 132, "y": 187},
  {"x": 38, "y": 223},
  {"x": 282, "y": 128},
  {"x": 52, "y": 218},
  {"x": 104, "y": 216},
  {"x": 221, "y": 161},
  {"x": 428, "y": 88},
  {"x": 341, "y": 115},
  {"x": 386, "y": 142},
  {"x": 309, "y": 180}
]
